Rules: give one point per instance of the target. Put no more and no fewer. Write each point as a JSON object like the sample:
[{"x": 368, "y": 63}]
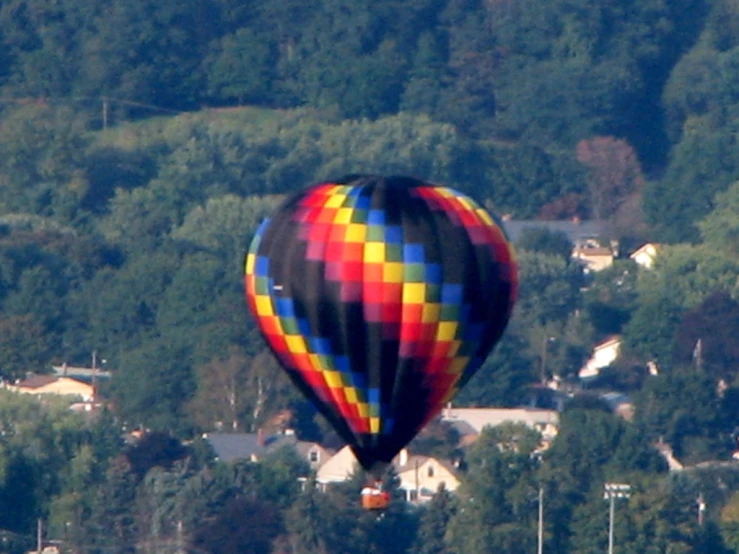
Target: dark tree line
[{"x": 141, "y": 144}]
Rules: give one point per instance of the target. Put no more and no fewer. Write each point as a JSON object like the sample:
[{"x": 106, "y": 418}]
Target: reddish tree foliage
[
  {"x": 570, "y": 206},
  {"x": 615, "y": 173}
]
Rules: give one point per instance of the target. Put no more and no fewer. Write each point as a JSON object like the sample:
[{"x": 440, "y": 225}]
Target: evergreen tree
[
  {"x": 111, "y": 524},
  {"x": 434, "y": 519}
]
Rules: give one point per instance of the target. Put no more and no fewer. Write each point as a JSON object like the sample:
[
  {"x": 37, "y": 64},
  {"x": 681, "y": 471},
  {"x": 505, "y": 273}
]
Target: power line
[{"x": 102, "y": 99}]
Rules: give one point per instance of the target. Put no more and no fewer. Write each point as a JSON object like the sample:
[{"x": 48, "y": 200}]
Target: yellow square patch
[
  {"x": 374, "y": 425},
  {"x": 264, "y": 305},
  {"x": 414, "y": 293},
  {"x": 446, "y": 330},
  {"x": 351, "y": 394},
  {"x": 392, "y": 272},
  {"x": 374, "y": 252},
  {"x": 335, "y": 201},
  {"x": 356, "y": 232},
  {"x": 249, "y": 267},
  {"x": 482, "y": 214},
  {"x": 343, "y": 215},
  {"x": 296, "y": 344},
  {"x": 333, "y": 379}
]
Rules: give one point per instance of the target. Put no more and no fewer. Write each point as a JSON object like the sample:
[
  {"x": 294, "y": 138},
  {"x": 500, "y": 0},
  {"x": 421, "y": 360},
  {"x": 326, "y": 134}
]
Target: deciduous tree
[{"x": 615, "y": 173}]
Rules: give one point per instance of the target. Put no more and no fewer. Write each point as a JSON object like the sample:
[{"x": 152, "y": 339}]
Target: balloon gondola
[
  {"x": 374, "y": 497},
  {"x": 380, "y": 297}
]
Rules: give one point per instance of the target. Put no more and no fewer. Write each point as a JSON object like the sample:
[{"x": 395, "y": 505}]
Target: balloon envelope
[{"x": 381, "y": 297}]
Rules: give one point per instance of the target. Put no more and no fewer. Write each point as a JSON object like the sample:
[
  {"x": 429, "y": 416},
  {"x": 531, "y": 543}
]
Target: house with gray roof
[
  {"x": 229, "y": 447},
  {"x": 580, "y": 233}
]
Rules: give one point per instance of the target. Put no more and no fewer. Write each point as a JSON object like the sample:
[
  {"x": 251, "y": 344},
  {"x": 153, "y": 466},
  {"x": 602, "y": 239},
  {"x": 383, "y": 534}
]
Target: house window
[
  {"x": 313, "y": 456},
  {"x": 431, "y": 471}
]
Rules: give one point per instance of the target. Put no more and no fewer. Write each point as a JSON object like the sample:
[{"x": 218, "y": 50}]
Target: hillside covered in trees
[{"x": 142, "y": 142}]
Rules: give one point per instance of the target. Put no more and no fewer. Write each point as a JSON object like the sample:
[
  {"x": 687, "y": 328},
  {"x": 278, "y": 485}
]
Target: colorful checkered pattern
[{"x": 367, "y": 256}]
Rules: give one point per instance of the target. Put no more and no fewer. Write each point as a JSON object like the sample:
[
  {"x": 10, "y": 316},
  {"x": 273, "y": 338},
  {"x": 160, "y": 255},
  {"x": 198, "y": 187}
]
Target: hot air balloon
[{"x": 381, "y": 297}]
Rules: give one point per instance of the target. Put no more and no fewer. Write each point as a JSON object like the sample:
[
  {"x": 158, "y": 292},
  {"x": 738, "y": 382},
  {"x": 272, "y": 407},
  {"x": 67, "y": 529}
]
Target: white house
[
  {"x": 604, "y": 354},
  {"x": 419, "y": 476}
]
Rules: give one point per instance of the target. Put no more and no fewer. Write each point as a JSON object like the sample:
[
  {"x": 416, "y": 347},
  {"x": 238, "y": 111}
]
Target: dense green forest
[{"x": 142, "y": 142}]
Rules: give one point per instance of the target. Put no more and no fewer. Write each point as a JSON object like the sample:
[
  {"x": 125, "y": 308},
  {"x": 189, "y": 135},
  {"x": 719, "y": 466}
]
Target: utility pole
[
  {"x": 39, "y": 535},
  {"x": 701, "y": 508},
  {"x": 544, "y": 352},
  {"x": 105, "y": 112},
  {"x": 94, "y": 373},
  {"x": 540, "y": 537},
  {"x": 180, "y": 538},
  {"x": 611, "y": 493}
]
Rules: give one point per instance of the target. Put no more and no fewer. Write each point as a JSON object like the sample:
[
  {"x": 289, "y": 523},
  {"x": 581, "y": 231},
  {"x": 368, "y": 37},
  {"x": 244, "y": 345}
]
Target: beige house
[
  {"x": 50, "y": 384},
  {"x": 45, "y": 550},
  {"x": 312, "y": 452},
  {"x": 421, "y": 476},
  {"x": 338, "y": 468},
  {"x": 604, "y": 354},
  {"x": 646, "y": 255},
  {"x": 593, "y": 258}
]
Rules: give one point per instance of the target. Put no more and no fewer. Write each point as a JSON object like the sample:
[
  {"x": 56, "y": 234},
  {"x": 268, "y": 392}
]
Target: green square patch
[
  {"x": 414, "y": 273},
  {"x": 394, "y": 252},
  {"x": 375, "y": 233}
]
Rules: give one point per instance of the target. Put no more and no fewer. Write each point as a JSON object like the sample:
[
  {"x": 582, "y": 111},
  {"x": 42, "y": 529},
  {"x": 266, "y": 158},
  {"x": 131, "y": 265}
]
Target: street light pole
[{"x": 611, "y": 493}]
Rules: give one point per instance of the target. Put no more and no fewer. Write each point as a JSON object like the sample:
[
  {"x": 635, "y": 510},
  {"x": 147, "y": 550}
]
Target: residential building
[
  {"x": 604, "y": 354},
  {"x": 593, "y": 258},
  {"x": 620, "y": 403},
  {"x": 229, "y": 447},
  {"x": 338, "y": 468},
  {"x": 473, "y": 420},
  {"x": 586, "y": 238},
  {"x": 51, "y": 384},
  {"x": 80, "y": 373},
  {"x": 578, "y": 232},
  {"x": 646, "y": 255},
  {"x": 419, "y": 476}
]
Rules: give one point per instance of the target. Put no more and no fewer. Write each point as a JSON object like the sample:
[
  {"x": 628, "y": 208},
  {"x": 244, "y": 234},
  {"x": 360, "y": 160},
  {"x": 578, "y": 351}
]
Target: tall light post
[{"x": 611, "y": 493}]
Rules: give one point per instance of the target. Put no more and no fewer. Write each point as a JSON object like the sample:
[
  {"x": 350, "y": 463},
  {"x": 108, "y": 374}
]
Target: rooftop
[{"x": 577, "y": 231}]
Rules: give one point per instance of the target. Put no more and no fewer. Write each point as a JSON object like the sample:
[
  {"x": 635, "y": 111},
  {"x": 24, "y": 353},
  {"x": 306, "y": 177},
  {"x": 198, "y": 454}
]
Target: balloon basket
[{"x": 374, "y": 498}]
